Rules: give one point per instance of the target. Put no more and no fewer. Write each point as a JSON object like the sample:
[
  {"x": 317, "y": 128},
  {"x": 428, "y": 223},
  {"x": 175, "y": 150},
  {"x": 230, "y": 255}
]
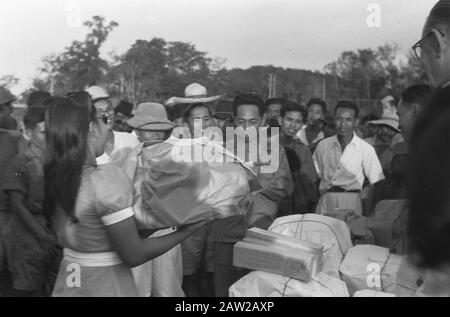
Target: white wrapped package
[
  {"x": 370, "y": 267},
  {"x": 372, "y": 293},
  {"x": 262, "y": 284},
  {"x": 333, "y": 234},
  {"x": 267, "y": 251}
]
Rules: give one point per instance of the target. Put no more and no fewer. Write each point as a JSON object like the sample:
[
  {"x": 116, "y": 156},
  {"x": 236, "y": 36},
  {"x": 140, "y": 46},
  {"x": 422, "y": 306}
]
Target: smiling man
[
  {"x": 305, "y": 195},
  {"x": 343, "y": 162}
]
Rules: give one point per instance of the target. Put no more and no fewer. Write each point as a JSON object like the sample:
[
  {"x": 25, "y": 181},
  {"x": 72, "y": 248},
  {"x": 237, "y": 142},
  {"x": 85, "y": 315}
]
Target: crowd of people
[{"x": 65, "y": 198}]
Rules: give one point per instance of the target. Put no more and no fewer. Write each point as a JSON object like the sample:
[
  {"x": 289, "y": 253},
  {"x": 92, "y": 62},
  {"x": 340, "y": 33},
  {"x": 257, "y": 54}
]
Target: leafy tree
[{"x": 80, "y": 64}]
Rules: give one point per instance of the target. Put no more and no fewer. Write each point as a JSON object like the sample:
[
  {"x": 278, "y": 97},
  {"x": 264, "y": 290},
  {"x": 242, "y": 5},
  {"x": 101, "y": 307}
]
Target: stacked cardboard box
[{"x": 271, "y": 252}]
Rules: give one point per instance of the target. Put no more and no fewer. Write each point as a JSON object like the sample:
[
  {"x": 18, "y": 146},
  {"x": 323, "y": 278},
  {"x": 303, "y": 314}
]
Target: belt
[
  {"x": 92, "y": 259},
  {"x": 336, "y": 189}
]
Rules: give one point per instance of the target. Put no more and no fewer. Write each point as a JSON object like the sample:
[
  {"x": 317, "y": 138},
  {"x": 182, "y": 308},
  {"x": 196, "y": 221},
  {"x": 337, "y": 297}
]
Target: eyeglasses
[{"x": 417, "y": 48}]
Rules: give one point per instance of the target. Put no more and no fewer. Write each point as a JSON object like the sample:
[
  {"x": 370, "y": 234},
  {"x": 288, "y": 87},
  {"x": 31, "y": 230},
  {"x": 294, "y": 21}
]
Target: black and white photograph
[{"x": 211, "y": 151}]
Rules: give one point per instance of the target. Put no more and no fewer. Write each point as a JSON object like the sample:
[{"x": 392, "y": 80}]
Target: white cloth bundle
[
  {"x": 333, "y": 234},
  {"x": 370, "y": 267},
  {"x": 262, "y": 284}
]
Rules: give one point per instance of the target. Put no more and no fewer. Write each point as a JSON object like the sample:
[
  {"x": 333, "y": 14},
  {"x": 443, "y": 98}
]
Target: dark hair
[
  {"x": 274, "y": 101},
  {"x": 36, "y": 98},
  {"x": 429, "y": 219},
  {"x": 439, "y": 15},
  {"x": 291, "y": 107},
  {"x": 248, "y": 99},
  {"x": 189, "y": 109},
  {"x": 317, "y": 101},
  {"x": 34, "y": 116},
  {"x": 417, "y": 94},
  {"x": 51, "y": 101},
  {"x": 67, "y": 127},
  {"x": 343, "y": 104},
  {"x": 125, "y": 108},
  {"x": 369, "y": 117},
  {"x": 176, "y": 111}
]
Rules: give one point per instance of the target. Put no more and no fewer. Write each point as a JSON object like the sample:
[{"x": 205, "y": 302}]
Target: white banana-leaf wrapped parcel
[
  {"x": 370, "y": 267},
  {"x": 372, "y": 293},
  {"x": 177, "y": 183},
  {"x": 333, "y": 234},
  {"x": 262, "y": 284}
]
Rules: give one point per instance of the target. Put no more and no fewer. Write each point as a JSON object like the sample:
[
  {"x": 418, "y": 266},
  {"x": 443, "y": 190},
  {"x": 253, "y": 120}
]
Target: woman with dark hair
[{"x": 89, "y": 207}]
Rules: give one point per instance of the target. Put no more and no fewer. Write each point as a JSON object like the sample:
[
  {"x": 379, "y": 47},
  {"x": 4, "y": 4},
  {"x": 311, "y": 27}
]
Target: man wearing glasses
[
  {"x": 118, "y": 144},
  {"x": 433, "y": 49}
]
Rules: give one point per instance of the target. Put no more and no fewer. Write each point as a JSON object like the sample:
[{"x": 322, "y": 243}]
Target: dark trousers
[{"x": 225, "y": 274}]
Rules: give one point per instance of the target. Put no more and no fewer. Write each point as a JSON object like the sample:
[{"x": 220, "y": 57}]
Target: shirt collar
[{"x": 354, "y": 140}]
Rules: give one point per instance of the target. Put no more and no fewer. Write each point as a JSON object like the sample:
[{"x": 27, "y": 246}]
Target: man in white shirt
[{"x": 343, "y": 162}]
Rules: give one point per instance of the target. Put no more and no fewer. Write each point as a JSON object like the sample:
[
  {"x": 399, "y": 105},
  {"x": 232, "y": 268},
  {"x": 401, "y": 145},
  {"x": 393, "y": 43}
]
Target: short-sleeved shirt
[
  {"x": 105, "y": 198},
  {"x": 349, "y": 169}
]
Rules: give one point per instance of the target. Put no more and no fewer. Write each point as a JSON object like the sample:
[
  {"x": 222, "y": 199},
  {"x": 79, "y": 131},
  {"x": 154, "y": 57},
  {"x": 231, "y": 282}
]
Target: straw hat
[{"x": 194, "y": 93}]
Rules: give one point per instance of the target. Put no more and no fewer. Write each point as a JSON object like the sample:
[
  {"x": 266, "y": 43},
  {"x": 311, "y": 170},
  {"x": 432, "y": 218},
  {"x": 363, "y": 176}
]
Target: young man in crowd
[
  {"x": 388, "y": 134},
  {"x": 198, "y": 248},
  {"x": 32, "y": 247},
  {"x": 224, "y": 114},
  {"x": 312, "y": 133},
  {"x": 343, "y": 162},
  {"x": 11, "y": 143},
  {"x": 264, "y": 205},
  {"x": 272, "y": 112},
  {"x": 305, "y": 194},
  {"x": 366, "y": 129},
  {"x": 122, "y": 113}
]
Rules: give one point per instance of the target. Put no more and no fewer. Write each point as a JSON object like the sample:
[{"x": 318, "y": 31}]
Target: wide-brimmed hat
[
  {"x": 194, "y": 93},
  {"x": 224, "y": 110},
  {"x": 388, "y": 119},
  {"x": 150, "y": 116},
  {"x": 99, "y": 93},
  {"x": 6, "y": 96}
]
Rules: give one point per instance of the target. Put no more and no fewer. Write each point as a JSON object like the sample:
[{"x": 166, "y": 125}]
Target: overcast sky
[{"x": 305, "y": 34}]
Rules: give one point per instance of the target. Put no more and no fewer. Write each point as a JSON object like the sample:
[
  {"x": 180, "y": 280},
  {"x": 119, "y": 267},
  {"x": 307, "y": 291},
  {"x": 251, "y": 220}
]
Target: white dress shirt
[{"x": 348, "y": 169}]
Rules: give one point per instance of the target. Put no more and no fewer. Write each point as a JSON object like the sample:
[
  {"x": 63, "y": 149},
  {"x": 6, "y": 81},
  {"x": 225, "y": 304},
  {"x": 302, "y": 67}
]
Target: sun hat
[
  {"x": 389, "y": 119},
  {"x": 194, "y": 93},
  {"x": 150, "y": 116}
]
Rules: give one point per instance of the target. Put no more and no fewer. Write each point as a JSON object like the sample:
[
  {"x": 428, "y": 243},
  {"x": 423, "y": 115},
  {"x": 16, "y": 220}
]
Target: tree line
[{"x": 156, "y": 69}]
